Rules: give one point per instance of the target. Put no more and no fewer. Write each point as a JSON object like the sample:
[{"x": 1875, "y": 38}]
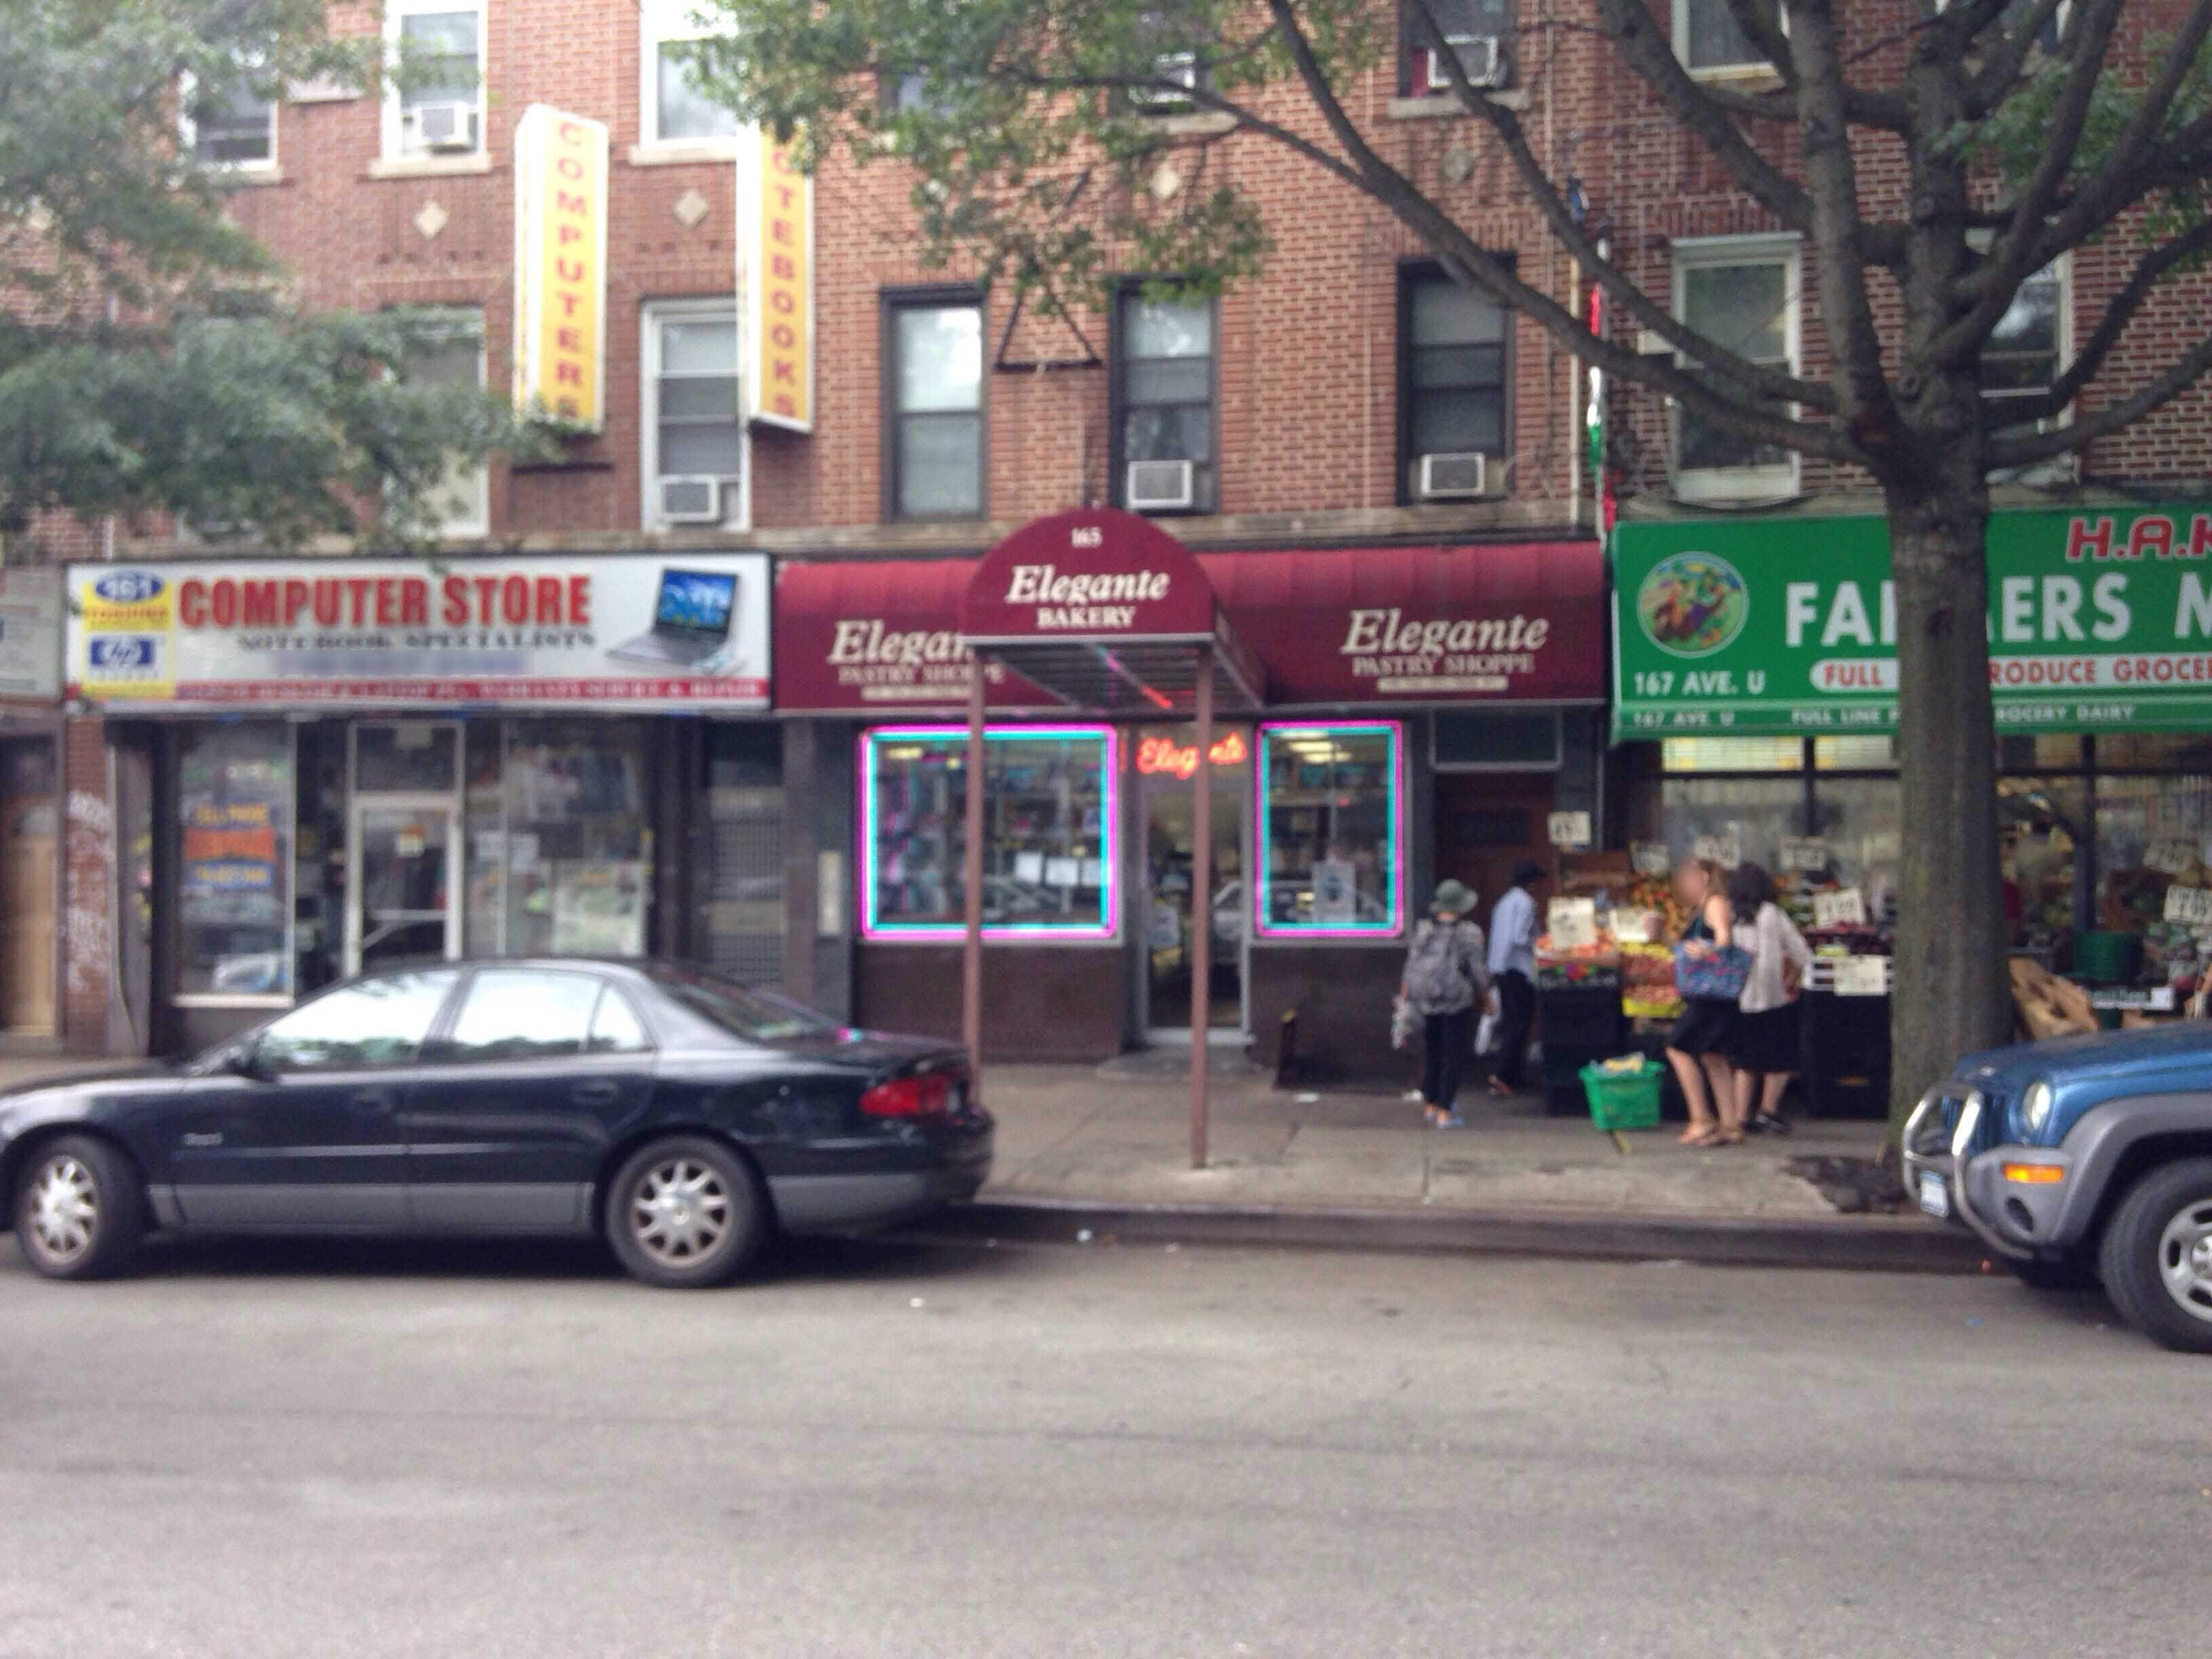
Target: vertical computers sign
[
  {"x": 775, "y": 283},
  {"x": 561, "y": 266}
]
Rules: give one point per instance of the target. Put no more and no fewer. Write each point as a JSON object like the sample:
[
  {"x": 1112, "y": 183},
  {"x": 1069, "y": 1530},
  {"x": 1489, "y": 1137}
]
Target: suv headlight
[{"x": 2035, "y": 1106}]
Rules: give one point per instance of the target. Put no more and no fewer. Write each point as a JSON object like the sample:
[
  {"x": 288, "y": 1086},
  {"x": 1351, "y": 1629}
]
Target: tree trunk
[{"x": 1951, "y": 991}]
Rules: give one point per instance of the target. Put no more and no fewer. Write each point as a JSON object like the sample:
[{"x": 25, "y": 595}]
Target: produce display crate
[
  {"x": 1846, "y": 1053},
  {"x": 1624, "y": 1100},
  {"x": 1580, "y": 1017}
]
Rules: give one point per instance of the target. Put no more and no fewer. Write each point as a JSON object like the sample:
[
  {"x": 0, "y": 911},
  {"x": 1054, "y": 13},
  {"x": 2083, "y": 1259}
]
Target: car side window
[
  {"x": 616, "y": 1028},
  {"x": 379, "y": 1022},
  {"x": 521, "y": 1013}
]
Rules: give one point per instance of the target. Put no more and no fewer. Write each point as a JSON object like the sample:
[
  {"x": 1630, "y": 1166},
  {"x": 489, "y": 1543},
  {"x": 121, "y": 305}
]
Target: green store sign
[{"x": 2100, "y": 619}]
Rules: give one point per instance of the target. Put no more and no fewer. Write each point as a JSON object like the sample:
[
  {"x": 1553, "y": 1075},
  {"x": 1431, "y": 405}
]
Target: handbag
[{"x": 1719, "y": 972}]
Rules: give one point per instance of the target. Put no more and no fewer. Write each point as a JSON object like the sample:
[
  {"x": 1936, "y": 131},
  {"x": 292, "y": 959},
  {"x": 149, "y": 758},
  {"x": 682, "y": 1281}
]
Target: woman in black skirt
[
  {"x": 1697, "y": 1050},
  {"x": 1765, "y": 1050}
]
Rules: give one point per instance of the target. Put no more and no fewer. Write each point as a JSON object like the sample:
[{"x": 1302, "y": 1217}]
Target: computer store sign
[{"x": 628, "y": 632}]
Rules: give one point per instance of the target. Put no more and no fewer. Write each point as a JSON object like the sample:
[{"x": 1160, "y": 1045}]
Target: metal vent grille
[{"x": 744, "y": 918}]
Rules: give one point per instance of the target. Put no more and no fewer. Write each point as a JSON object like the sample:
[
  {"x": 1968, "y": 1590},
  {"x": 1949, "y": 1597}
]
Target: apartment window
[
  {"x": 933, "y": 383},
  {"x": 1177, "y": 63},
  {"x": 1163, "y": 388},
  {"x": 1480, "y": 31},
  {"x": 438, "y": 107},
  {"x": 1708, "y": 40},
  {"x": 1741, "y": 292},
  {"x": 1454, "y": 385},
  {"x": 450, "y": 352},
  {"x": 2015, "y": 15},
  {"x": 674, "y": 110},
  {"x": 236, "y": 127},
  {"x": 2023, "y": 357},
  {"x": 695, "y": 443}
]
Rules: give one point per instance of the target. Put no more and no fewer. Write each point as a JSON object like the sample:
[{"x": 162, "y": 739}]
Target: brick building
[{"x": 1280, "y": 430}]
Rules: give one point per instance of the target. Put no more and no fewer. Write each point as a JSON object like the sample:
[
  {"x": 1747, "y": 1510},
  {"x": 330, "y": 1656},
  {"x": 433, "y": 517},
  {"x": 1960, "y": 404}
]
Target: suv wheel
[
  {"x": 80, "y": 1210},
  {"x": 2157, "y": 1256},
  {"x": 685, "y": 1212}
]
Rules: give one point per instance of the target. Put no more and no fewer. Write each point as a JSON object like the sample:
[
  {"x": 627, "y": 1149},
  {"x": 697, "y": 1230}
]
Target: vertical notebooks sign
[
  {"x": 775, "y": 283},
  {"x": 561, "y": 266}
]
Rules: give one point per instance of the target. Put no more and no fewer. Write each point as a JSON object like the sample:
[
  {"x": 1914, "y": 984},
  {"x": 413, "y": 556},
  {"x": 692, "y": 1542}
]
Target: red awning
[
  {"x": 1376, "y": 625},
  {"x": 1518, "y": 623},
  {"x": 880, "y": 636}
]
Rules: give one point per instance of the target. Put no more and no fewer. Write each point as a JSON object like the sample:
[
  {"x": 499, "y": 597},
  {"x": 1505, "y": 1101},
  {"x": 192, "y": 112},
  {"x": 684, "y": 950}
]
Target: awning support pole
[
  {"x": 1201, "y": 907},
  {"x": 971, "y": 942}
]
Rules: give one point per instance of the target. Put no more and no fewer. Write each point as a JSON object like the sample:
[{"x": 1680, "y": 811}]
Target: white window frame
[
  {"x": 458, "y": 321},
  {"x": 661, "y": 22},
  {"x": 1786, "y": 249},
  {"x": 737, "y": 514},
  {"x": 1752, "y": 69},
  {"x": 395, "y": 12},
  {"x": 2058, "y": 21},
  {"x": 188, "y": 131},
  {"x": 2059, "y": 468}
]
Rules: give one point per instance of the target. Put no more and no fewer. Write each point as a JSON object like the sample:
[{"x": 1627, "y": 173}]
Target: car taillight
[{"x": 909, "y": 1096}]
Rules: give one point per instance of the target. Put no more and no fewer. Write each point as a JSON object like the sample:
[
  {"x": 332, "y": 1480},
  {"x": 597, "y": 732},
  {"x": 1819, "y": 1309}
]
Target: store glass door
[
  {"x": 1168, "y": 770},
  {"x": 400, "y": 889}
]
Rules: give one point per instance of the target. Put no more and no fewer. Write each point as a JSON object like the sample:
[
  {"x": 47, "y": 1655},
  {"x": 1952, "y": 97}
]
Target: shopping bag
[
  {"x": 1485, "y": 1031},
  {"x": 1718, "y": 971},
  {"x": 1404, "y": 1023}
]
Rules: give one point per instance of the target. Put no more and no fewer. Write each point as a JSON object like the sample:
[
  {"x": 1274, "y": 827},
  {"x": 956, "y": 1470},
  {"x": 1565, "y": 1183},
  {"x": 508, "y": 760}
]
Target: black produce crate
[
  {"x": 1580, "y": 1018},
  {"x": 1563, "y": 1076},
  {"x": 1846, "y": 1053}
]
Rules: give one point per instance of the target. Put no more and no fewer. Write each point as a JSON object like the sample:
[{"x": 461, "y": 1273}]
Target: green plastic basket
[{"x": 1624, "y": 1100}]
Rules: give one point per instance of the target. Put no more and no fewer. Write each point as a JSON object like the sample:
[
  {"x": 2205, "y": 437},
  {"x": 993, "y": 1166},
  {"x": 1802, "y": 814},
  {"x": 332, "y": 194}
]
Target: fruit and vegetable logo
[{"x": 1693, "y": 604}]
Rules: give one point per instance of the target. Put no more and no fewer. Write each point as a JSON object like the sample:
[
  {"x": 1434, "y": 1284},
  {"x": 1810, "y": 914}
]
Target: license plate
[{"x": 1935, "y": 1195}]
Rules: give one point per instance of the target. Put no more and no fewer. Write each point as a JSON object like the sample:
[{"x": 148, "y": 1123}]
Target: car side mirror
[{"x": 246, "y": 1062}]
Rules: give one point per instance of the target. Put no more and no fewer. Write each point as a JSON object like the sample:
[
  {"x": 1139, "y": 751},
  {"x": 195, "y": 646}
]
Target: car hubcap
[
  {"x": 681, "y": 1210},
  {"x": 64, "y": 1209},
  {"x": 2185, "y": 1259}
]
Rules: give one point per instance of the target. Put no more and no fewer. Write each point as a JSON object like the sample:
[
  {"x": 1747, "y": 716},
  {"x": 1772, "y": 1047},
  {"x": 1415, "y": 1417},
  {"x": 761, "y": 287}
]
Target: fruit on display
[{"x": 1657, "y": 893}]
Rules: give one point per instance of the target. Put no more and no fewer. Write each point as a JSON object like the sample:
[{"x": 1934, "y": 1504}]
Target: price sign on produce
[
  {"x": 1724, "y": 850},
  {"x": 1649, "y": 858},
  {"x": 1804, "y": 853},
  {"x": 1570, "y": 828},
  {"x": 1862, "y": 976},
  {"x": 2192, "y": 905},
  {"x": 2169, "y": 858},
  {"x": 1840, "y": 908},
  {"x": 1572, "y": 922}
]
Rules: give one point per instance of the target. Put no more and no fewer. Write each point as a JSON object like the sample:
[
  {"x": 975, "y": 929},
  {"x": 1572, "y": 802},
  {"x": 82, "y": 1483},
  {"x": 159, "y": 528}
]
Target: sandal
[
  {"x": 1724, "y": 1138},
  {"x": 1502, "y": 1091},
  {"x": 1698, "y": 1135}
]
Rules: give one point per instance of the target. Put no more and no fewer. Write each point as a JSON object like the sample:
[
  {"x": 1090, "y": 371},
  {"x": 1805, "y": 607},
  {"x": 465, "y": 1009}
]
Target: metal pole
[
  {"x": 1201, "y": 909},
  {"x": 971, "y": 944}
]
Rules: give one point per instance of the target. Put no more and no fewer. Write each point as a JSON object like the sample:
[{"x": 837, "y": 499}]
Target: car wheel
[
  {"x": 2157, "y": 1256},
  {"x": 80, "y": 1210},
  {"x": 686, "y": 1211},
  {"x": 2072, "y": 1273}
]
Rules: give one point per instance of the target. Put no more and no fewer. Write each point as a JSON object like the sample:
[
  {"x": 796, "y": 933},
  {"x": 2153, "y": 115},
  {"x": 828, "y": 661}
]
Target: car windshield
[{"x": 743, "y": 1011}]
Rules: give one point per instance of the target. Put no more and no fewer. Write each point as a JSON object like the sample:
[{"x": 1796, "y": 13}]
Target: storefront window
[
  {"x": 1048, "y": 832},
  {"x": 2042, "y": 825},
  {"x": 1732, "y": 754},
  {"x": 235, "y": 794},
  {"x": 1733, "y": 820},
  {"x": 1331, "y": 837},
  {"x": 1859, "y": 818}
]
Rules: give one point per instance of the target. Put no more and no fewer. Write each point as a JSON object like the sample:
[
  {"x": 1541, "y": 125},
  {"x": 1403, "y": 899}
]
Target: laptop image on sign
[{"x": 690, "y": 619}]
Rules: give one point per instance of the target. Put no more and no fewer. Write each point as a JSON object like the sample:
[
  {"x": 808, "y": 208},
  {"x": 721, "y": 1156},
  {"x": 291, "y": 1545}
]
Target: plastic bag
[
  {"x": 1485, "y": 1031},
  {"x": 1404, "y": 1023}
]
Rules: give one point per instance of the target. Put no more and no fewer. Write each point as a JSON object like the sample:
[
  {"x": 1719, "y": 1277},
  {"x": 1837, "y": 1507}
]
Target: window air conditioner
[
  {"x": 1481, "y": 59},
  {"x": 1454, "y": 477},
  {"x": 1161, "y": 486},
  {"x": 692, "y": 499},
  {"x": 445, "y": 126},
  {"x": 1180, "y": 67}
]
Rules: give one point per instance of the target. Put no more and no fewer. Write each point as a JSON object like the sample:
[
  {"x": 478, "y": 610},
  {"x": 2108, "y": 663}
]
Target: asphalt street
[{"x": 879, "y": 1449}]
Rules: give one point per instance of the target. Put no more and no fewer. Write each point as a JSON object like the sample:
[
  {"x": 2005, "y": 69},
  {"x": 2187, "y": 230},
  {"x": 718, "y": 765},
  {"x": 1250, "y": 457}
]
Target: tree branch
[
  {"x": 1472, "y": 264},
  {"x": 2001, "y": 64},
  {"x": 2185, "y": 371}
]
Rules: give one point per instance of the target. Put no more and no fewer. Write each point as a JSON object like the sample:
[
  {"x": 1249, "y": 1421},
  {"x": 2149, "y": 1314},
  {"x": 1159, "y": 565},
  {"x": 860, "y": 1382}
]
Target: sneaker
[
  {"x": 1451, "y": 1120},
  {"x": 1766, "y": 1123},
  {"x": 1413, "y": 1094}
]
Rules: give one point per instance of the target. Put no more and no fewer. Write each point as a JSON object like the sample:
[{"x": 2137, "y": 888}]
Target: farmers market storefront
[{"x": 1756, "y": 675}]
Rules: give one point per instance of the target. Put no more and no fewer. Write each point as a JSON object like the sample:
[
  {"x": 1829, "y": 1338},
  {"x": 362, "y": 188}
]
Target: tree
[
  {"x": 2021, "y": 129},
  {"x": 151, "y": 360}
]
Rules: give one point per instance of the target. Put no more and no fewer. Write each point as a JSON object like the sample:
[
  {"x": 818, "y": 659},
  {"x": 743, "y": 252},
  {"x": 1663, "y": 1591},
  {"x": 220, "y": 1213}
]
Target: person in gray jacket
[{"x": 1445, "y": 978}]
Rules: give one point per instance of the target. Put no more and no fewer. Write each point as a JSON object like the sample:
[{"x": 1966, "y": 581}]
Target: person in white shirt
[
  {"x": 1513, "y": 972},
  {"x": 1764, "y": 1045}
]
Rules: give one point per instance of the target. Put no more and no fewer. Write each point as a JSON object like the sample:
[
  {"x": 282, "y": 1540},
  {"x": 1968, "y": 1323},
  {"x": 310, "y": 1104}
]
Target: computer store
[{"x": 320, "y": 766}]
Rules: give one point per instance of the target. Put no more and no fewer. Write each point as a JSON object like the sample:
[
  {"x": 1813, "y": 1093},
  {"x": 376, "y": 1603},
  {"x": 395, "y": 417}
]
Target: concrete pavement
[{"x": 384, "y": 1450}]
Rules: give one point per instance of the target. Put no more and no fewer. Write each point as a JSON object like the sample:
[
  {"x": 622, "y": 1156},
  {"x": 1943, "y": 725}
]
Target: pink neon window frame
[
  {"x": 1395, "y": 828},
  {"x": 1110, "y": 837}
]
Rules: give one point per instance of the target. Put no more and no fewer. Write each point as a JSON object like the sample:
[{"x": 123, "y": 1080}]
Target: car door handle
[
  {"x": 371, "y": 1103},
  {"x": 596, "y": 1094}
]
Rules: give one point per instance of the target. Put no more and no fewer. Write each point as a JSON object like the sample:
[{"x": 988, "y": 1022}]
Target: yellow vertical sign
[
  {"x": 775, "y": 281},
  {"x": 561, "y": 266}
]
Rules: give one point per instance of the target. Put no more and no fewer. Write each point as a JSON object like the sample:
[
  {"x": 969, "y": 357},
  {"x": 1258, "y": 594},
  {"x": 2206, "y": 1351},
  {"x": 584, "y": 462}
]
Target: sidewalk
[{"x": 1083, "y": 1150}]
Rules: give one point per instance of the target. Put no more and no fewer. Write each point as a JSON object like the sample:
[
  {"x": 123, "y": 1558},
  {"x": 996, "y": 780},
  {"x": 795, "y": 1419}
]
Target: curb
[{"x": 1844, "y": 1242}]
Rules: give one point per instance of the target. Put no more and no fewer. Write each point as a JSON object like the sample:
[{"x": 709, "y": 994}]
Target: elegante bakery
[{"x": 1380, "y": 714}]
